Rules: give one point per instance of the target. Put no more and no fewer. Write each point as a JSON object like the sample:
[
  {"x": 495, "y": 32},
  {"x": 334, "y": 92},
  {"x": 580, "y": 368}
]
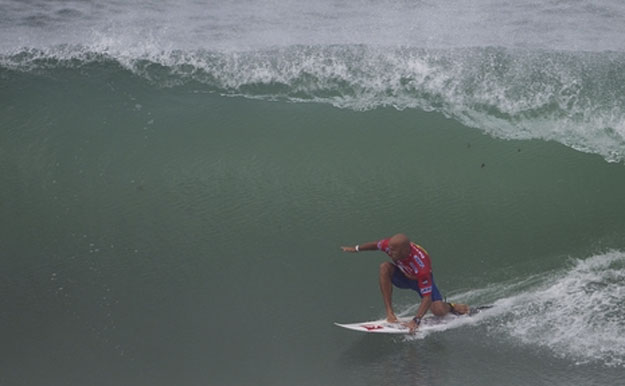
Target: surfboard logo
[{"x": 371, "y": 327}]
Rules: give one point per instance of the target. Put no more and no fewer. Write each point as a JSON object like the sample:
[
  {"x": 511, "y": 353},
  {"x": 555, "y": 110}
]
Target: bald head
[
  {"x": 399, "y": 239},
  {"x": 399, "y": 246}
]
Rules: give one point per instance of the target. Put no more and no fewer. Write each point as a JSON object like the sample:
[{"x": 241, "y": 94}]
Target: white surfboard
[
  {"x": 428, "y": 323},
  {"x": 376, "y": 326}
]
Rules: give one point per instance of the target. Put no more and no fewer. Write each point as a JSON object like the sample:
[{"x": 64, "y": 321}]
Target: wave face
[{"x": 577, "y": 99}]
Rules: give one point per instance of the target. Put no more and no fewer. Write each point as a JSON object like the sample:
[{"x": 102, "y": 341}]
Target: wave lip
[{"x": 575, "y": 98}]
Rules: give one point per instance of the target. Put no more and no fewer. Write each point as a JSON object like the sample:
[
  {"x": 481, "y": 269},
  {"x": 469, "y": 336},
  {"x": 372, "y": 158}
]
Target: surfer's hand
[
  {"x": 412, "y": 325},
  {"x": 349, "y": 249}
]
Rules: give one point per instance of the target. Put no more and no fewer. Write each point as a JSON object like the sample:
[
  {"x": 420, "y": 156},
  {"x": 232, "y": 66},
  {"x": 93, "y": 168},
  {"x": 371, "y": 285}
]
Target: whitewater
[{"x": 573, "y": 311}]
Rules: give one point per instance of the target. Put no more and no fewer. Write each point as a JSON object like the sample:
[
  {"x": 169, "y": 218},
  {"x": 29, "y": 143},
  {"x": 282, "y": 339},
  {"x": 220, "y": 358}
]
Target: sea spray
[{"x": 575, "y": 313}]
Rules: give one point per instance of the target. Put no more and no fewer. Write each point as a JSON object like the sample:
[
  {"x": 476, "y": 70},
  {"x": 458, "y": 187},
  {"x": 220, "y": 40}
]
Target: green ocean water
[{"x": 173, "y": 235}]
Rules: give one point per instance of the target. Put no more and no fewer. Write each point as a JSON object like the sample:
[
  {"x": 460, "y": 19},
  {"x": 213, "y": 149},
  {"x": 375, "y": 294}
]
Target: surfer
[{"x": 411, "y": 268}]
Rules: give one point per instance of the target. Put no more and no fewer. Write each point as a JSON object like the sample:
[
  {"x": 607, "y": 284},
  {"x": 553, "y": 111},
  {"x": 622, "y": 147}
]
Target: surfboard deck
[{"x": 430, "y": 322}]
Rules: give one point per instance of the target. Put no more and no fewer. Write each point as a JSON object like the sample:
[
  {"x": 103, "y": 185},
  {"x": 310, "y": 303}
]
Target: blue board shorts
[{"x": 401, "y": 281}]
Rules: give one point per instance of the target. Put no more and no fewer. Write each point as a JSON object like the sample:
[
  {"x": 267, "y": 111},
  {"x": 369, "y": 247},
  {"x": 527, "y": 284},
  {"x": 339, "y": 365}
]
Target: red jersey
[{"x": 417, "y": 264}]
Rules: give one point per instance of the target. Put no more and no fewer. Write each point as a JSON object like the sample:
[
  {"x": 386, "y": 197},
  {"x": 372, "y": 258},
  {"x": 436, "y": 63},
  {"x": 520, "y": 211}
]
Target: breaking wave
[{"x": 574, "y": 98}]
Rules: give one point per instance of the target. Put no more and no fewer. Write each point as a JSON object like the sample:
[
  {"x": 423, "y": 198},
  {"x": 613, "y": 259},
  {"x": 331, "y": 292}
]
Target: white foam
[
  {"x": 577, "y": 313},
  {"x": 446, "y": 323}
]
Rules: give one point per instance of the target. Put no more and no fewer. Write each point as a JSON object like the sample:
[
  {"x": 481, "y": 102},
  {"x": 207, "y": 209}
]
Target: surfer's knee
[
  {"x": 386, "y": 269},
  {"x": 439, "y": 308}
]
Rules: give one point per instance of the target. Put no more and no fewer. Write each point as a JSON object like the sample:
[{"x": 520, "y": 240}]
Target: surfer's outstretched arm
[{"x": 370, "y": 246}]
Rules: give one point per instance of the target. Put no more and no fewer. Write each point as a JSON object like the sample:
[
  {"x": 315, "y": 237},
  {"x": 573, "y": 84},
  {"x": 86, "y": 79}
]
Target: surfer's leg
[
  {"x": 386, "y": 287},
  {"x": 440, "y": 308}
]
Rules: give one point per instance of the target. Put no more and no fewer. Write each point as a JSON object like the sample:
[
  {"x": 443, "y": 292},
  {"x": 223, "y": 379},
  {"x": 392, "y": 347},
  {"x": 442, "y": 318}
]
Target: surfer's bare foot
[{"x": 392, "y": 318}]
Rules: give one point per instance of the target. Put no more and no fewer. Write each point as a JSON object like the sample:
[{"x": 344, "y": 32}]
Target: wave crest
[{"x": 577, "y": 99}]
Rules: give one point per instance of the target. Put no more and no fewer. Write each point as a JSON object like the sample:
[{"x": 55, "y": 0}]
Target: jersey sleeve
[{"x": 383, "y": 245}]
